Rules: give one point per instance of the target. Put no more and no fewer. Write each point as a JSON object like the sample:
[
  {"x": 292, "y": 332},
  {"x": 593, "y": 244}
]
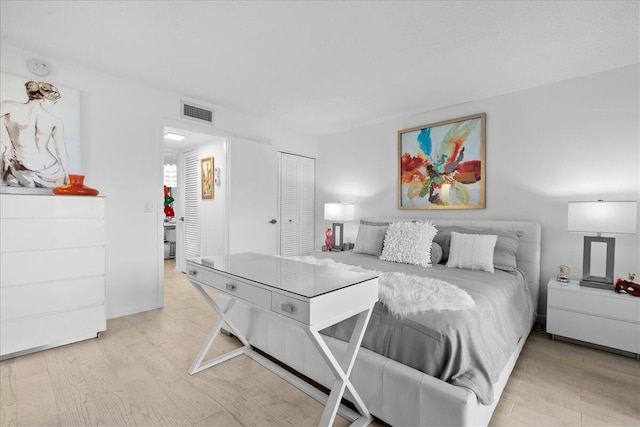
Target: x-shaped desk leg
[
  {"x": 198, "y": 364},
  {"x": 342, "y": 371}
]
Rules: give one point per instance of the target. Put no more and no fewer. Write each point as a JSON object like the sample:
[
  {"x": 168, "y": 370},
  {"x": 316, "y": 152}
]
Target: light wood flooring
[{"x": 136, "y": 374}]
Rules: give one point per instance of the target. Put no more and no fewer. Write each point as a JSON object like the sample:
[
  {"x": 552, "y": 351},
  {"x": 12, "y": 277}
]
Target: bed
[{"x": 468, "y": 354}]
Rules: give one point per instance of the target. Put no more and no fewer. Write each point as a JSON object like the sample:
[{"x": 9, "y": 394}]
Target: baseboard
[{"x": 127, "y": 311}]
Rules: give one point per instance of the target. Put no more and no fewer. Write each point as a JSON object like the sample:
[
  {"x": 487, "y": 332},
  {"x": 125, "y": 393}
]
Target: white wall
[
  {"x": 121, "y": 137},
  {"x": 572, "y": 140}
]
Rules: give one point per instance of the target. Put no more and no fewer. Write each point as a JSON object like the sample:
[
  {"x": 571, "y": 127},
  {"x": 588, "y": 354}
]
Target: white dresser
[
  {"x": 52, "y": 271},
  {"x": 596, "y": 316}
]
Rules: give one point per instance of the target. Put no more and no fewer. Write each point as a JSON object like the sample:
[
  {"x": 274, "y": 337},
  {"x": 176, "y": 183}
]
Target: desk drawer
[
  {"x": 239, "y": 289},
  {"x": 290, "y": 307},
  {"x": 196, "y": 273}
]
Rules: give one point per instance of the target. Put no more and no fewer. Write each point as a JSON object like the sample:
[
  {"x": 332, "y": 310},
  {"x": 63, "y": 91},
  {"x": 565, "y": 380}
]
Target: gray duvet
[{"x": 465, "y": 348}]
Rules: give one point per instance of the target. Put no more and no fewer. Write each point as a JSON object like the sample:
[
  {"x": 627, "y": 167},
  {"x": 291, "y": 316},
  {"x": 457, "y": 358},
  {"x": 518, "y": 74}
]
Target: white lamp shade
[
  {"x": 603, "y": 217},
  {"x": 340, "y": 212}
]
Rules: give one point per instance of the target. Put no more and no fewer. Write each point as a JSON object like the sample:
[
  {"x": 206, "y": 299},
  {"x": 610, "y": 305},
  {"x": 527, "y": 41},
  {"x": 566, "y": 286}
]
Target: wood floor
[{"x": 136, "y": 374}]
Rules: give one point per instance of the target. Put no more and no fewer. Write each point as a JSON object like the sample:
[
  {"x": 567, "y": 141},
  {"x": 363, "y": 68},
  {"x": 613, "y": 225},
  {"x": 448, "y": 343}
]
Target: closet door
[
  {"x": 297, "y": 199},
  {"x": 288, "y": 205},
  {"x": 306, "y": 203}
]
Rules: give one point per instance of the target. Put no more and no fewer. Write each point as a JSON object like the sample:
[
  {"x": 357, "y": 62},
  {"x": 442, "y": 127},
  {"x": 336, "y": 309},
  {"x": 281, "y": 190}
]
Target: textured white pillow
[
  {"x": 369, "y": 239},
  {"x": 409, "y": 243},
  {"x": 474, "y": 251}
]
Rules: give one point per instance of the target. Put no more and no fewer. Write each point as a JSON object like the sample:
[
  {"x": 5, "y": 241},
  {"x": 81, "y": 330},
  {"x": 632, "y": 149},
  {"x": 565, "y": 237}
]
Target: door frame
[{"x": 193, "y": 127}]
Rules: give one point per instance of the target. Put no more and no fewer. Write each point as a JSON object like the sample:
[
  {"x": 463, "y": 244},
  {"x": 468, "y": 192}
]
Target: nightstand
[{"x": 592, "y": 315}]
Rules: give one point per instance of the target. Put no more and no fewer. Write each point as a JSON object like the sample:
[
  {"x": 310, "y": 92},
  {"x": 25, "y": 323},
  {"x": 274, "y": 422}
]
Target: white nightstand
[{"x": 595, "y": 316}]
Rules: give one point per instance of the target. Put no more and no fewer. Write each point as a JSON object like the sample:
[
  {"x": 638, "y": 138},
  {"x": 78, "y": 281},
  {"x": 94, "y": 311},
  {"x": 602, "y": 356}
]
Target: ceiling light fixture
[{"x": 173, "y": 136}]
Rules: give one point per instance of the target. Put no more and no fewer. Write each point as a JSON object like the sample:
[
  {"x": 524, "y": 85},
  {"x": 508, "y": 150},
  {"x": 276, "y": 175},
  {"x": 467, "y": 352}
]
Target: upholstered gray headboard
[{"x": 528, "y": 255}]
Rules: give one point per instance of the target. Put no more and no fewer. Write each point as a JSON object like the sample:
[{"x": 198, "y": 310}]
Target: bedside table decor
[
  {"x": 600, "y": 217},
  {"x": 563, "y": 274},
  {"x": 627, "y": 286}
]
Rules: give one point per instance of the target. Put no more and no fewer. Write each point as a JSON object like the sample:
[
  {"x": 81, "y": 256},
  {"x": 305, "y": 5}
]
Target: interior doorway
[
  {"x": 195, "y": 237},
  {"x": 179, "y": 139}
]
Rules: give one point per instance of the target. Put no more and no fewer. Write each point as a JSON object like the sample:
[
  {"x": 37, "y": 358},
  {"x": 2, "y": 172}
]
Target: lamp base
[
  {"x": 338, "y": 229},
  {"x": 596, "y": 284}
]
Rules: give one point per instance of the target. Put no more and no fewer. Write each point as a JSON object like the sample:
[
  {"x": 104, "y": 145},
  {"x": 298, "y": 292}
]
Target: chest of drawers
[{"x": 52, "y": 271}]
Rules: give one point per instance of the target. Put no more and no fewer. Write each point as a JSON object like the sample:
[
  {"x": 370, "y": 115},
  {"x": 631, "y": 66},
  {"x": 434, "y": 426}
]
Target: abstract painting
[
  {"x": 442, "y": 165},
  {"x": 39, "y": 135},
  {"x": 206, "y": 177}
]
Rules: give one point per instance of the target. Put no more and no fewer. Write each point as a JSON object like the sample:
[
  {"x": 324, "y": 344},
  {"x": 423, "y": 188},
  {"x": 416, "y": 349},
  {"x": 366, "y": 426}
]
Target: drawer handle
[
  {"x": 287, "y": 308},
  {"x": 193, "y": 272},
  {"x": 231, "y": 287}
]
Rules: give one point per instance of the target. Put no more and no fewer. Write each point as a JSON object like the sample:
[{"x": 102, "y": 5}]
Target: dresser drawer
[
  {"x": 51, "y": 330},
  {"x": 20, "y": 268},
  {"x": 290, "y": 307},
  {"x": 598, "y": 303},
  {"x": 46, "y": 298}
]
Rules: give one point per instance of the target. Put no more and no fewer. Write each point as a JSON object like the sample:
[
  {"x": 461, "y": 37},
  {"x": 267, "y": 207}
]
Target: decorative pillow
[
  {"x": 369, "y": 239},
  {"x": 436, "y": 253},
  {"x": 375, "y": 223},
  {"x": 504, "y": 254},
  {"x": 474, "y": 251},
  {"x": 409, "y": 243}
]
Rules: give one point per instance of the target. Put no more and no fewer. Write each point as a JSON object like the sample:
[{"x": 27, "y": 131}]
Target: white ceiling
[
  {"x": 191, "y": 140},
  {"x": 324, "y": 67}
]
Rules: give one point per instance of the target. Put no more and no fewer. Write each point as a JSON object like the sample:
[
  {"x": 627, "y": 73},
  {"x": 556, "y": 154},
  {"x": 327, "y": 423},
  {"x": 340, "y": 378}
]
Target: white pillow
[
  {"x": 409, "y": 243},
  {"x": 474, "y": 251},
  {"x": 369, "y": 239}
]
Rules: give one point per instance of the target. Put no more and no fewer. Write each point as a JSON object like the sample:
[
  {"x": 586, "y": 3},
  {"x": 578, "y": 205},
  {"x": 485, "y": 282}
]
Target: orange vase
[{"x": 75, "y": 187}]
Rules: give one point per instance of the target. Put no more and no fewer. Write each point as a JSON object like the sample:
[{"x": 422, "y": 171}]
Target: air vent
[{"x": 196, "y": 112}]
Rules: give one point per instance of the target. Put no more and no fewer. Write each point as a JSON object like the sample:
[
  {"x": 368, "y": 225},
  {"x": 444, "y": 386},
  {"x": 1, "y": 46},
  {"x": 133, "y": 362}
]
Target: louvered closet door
[
  {"x": 297, "y": 204},
  {"x": 288, "y": 205},
  {"x": 191, "y": 199},
  {"x": 306, "y": 204}
]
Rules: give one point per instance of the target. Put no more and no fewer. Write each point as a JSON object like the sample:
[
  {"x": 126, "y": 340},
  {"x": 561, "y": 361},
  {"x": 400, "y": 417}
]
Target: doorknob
[
  {"x": 181, "y": 218},
  {"x": 273, "y": 221}
]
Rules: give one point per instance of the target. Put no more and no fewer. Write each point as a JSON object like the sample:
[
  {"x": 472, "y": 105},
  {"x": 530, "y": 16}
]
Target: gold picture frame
[
  {"x": 206, "y": 177},
  {"x": 442, "y": 165}
]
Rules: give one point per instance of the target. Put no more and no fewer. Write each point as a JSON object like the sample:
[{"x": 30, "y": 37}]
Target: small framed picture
[{"x": 206, "y": 177}]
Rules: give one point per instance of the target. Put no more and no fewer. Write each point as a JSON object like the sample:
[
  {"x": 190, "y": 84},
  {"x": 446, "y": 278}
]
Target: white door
[
  {"x": 188, "y": 227},
  {"x": 253, "y": 198},
  {"x": 288, "y": 205},
  {"x": 297, "y": 203}
]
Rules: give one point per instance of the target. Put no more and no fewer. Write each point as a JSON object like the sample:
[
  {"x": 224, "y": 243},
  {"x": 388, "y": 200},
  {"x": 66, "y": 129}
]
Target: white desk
[{"x": 311, "y": 296}]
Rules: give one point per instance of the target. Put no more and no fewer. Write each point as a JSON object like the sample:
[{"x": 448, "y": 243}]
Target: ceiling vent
[{"x": 192, "y": 111}]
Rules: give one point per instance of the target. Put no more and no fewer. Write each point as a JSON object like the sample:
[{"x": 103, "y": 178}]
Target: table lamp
[
  {"x": 338, "y": 213},
  {"x": 600, "y": 217}
]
